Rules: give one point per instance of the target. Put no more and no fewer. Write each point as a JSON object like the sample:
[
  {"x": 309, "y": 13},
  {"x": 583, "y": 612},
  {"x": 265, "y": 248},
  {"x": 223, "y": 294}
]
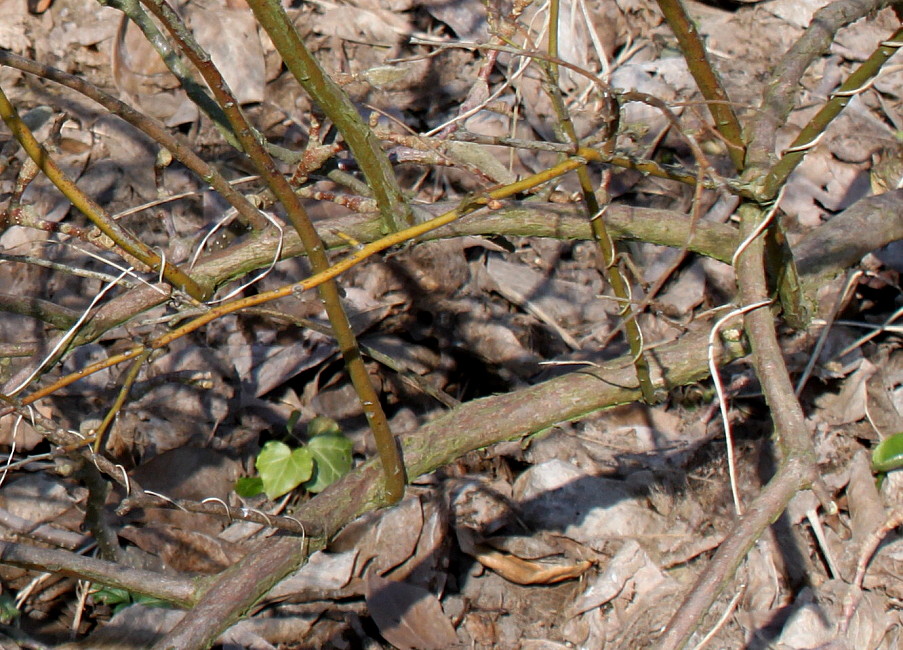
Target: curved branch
[
  {"x": 784, "y": 87},
  {"x": 797, "y": 464},
  {"x": 471, "y": 426},
  {"x": 152, "y": 128}
]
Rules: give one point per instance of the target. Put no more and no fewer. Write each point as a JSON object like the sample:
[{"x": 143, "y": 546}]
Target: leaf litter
[{"x": 586, "y": 534}]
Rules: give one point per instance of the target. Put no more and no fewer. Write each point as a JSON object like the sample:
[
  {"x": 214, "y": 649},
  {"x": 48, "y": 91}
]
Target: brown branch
[
  {"x": 784, "y": 87},
  {"x": 473, "y": 425},
  {"x": 482, "y": 422},
  {"x": 236, "y": 591},
  {"x": 217, "y": 508},
  {"x": 44, "y": 310},
  {"x": 513, "y": 218},
  {"x": 797, "y": 467},
  {"x": 867, "y": 225},
  {"x": 175, "y": 590}
]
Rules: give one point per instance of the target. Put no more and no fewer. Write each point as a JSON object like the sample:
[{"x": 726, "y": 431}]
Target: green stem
[
  {"x": 87, "y": 206},
  {"x": 696, "y": 55},
  {"x": 329, "y": 291},
  {"x": 374, "y": 163},
  {"x": 128, "y": 381},
  {"x": 810, "y": 134}
]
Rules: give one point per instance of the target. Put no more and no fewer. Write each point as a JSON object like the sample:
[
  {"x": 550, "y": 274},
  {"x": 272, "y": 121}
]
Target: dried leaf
[
  {"x": 869, "y": 624},
  {"x": 373, "y": 27},
  {"x": 138, "y": 626},
  {"x": 141, "y": 75},
  {"x": 388, "y": 538},
  {"x": 41, "y": 498},
  {"x": 188, "y": 473},
  {"x": 866, "y": 510},
  {"x": 20, "y": 431},
  {"x": 528, "y": 572},
  {"x": 230, "y": 37},
  {"x": 428, "y": 565},
  {"x": 609, "y": 584},
  {"x": 185, "y": 550},
  {"x": 850, "y": 404},
  {"x": 407, "y": 616},
  {"x": 820, "y": 184},
  {"x": 265, "y": 367},
  {"x": 467, "y": 18},
  {"x": 322, "y": 576},
  {"x": 565, "y": 302},
  {"x": 589, "y": 509}
]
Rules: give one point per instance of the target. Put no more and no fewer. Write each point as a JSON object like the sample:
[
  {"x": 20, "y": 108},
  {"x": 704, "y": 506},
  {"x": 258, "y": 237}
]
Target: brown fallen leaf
[
  {"x": 518, "y": 570},
  {"x": 185, "y": 550},
  {"x": 408, "y": 617},
  {"x": 528, "y": 572}
]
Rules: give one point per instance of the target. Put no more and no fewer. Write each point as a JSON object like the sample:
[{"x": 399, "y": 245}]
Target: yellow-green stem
[
  {"x": 374, "y": 163},
  {"x": 607, "y": 247},
  {"x": 86, "y": 205},
  {"x": 124, "y": 390},
  {"x": 329, "y": 291}
]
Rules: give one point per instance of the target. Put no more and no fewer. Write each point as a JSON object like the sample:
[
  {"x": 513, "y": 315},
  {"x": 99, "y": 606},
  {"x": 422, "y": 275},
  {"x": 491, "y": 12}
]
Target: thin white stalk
[
  {"x": 260, "y": 276},
  {"x": 722, "y": 402},
  {"x": 70, "y": 333}
]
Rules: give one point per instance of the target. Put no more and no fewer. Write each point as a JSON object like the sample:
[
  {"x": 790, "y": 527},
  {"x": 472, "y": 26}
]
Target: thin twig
[
  {"x": 87, "y": 206},
  {"x": 696, "y": 54},
  {"x": 329, "y": 292}
]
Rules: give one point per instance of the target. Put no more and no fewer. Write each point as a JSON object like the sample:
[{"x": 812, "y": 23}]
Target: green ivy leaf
[
  {"x": 112, "y": 596},
  {"x": 282, "y": 468},
  {"x": 333, "y": 455},
  {"x": 249, "y": 486},
  {"x": 8, "y": 610},
  {"x": 888, "y": 455},
  {"x": 292, "y": 421},
  {"x": 323, "y": 426},
  {"x": 117, "y": 599}
]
